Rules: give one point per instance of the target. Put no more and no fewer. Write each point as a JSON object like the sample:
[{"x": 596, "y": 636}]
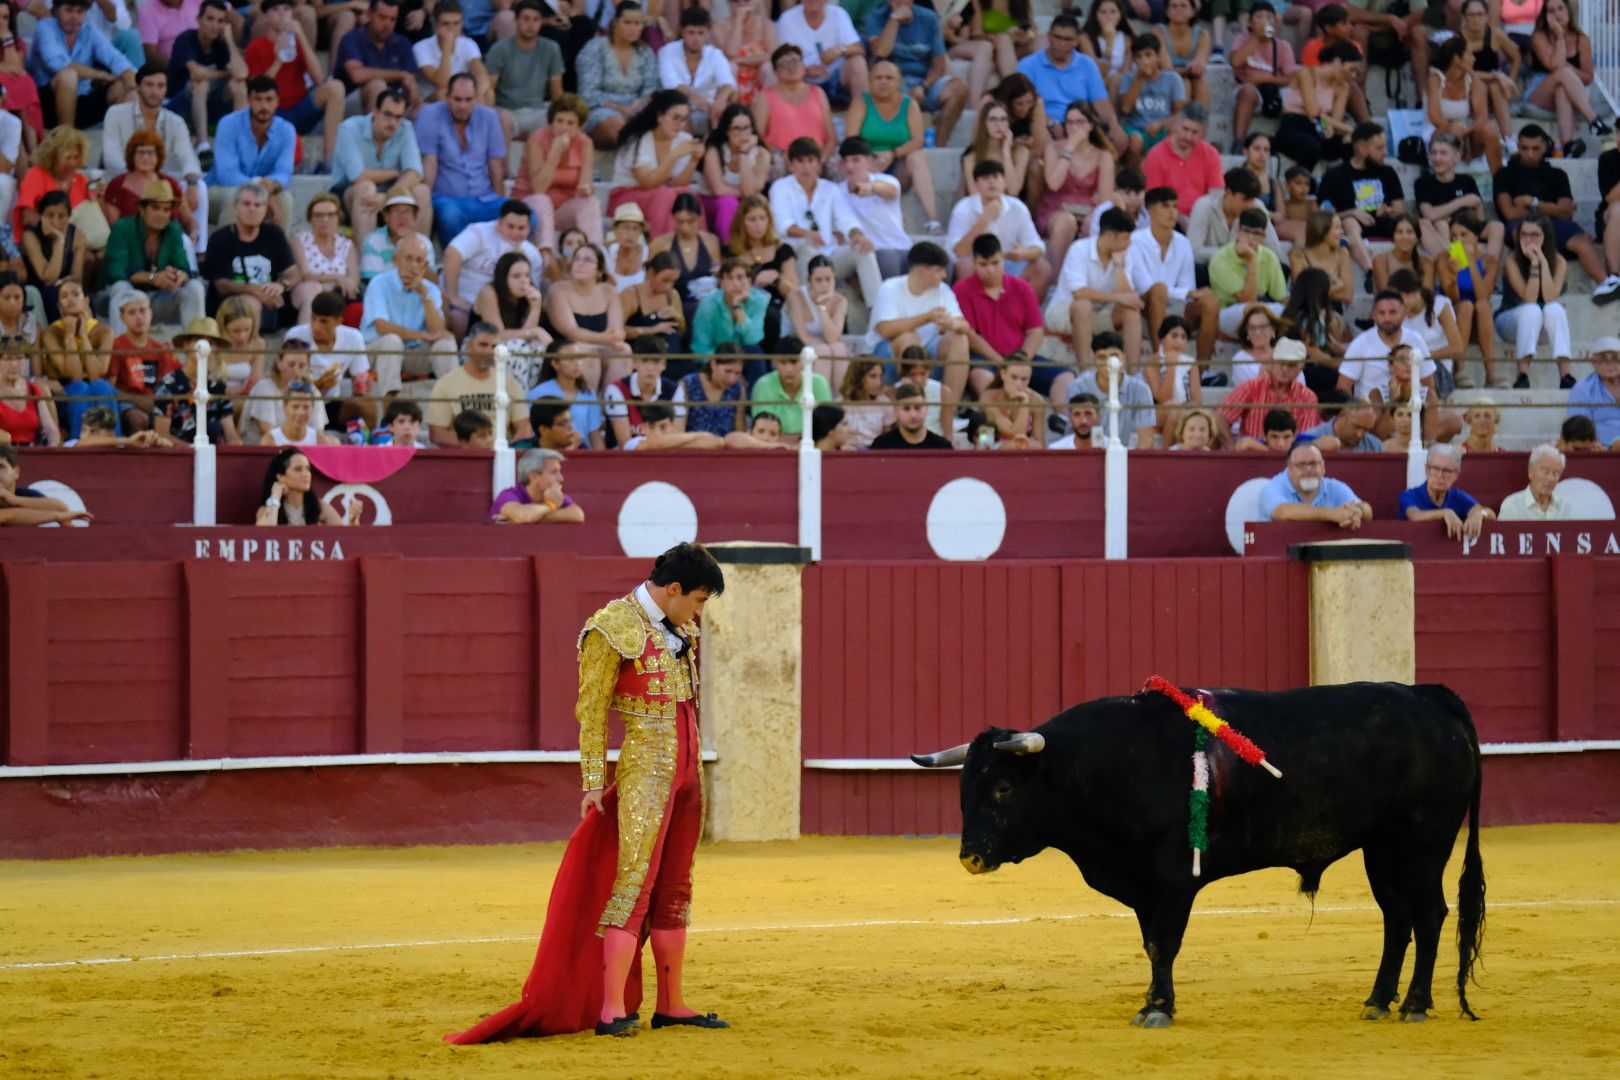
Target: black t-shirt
[
  {"x": 893, "y": 440},
  {"x": 260, "y": 262},
  {"x": 1369, "y": 189},
  {"x": 1608, "y": 177},
  {"x": 186, "y": 49},
  {"x": 1546, "y": 181},
  {"x": 1430, "y": 190}
]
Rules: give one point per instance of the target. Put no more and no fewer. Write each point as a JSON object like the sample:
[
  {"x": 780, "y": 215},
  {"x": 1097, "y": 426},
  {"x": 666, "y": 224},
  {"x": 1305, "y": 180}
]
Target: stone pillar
[
  {"x": 752, "y": 662},
  {"x": 1361, "y": 610}
]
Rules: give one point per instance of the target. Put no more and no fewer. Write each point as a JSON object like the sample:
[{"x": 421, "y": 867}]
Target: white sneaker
[
  {"x": 1607, "y": 292},
  {"x": 1510, "y": 146}
]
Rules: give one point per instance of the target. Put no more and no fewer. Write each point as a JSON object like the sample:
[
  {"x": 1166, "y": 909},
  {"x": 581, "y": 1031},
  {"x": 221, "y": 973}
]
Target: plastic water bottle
[
  {"x": 928, "y": 139},
  {"x": 287, "y": 48}
]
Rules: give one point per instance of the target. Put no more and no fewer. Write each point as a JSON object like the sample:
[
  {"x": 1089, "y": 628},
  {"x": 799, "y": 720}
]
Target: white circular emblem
[
  {"x": 1241, "y": 509},
  {"x": 966, "y": 520},
  {"x": 1590, "y": 502},
  {"x": 654, "y": 518},
  {"x": 55, "y": 489},
  {"x": 341, "y": 495}
]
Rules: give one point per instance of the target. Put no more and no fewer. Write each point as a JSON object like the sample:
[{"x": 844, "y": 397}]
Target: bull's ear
[
  {"x": 942, "y": 759},
  {"x": 1025, "y": 742}
]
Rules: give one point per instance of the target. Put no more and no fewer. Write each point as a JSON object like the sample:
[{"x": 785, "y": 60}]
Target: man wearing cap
[
  {"x": 403, "y": 321},
  {"x": 146, "y": 256},
  {"x": 400, "y": 212},
  {"x": 375, "y": 154},
  {"x": 1594, "y": 397},
  {"x": 1277, "y": 386}
]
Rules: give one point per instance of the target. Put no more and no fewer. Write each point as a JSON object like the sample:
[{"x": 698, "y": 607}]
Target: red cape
[{"x": 563, "y": 993}]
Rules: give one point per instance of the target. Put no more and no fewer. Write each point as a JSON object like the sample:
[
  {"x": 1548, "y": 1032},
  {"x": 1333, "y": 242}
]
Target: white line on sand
[{"x": 762, "y": 928}]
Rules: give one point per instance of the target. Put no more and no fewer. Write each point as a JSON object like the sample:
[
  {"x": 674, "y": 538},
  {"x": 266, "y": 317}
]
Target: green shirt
[
  {"x": 522, "y": 77},
  {"x": 712, "y": 323},
  {"x": 126, "y": 250},
  {"x": 1227, "y": 274},
  {"x": 767, "y": 396}
]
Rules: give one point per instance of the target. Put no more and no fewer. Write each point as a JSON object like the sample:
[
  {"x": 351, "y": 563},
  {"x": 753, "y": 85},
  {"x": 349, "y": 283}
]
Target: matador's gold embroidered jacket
[{"x": 625, "y": 665}]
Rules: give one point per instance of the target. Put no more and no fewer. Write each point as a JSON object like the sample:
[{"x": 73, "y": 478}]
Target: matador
[{"x": 626, "y": 875}]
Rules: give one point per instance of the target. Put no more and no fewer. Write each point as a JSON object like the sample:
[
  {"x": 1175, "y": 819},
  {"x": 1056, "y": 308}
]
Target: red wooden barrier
[
  {"x": 171, "y": 659},
  {"x": 902, "y": 658}
]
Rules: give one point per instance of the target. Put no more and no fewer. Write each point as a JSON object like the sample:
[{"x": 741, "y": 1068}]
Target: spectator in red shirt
[
  {"x": 1277, "y": 385},
  {"x": 138, "y": 362},
  {"x": 284, "y": 53},
  {"x": 1003, "y": 315},
  {"x": 1185, "y": 161}
]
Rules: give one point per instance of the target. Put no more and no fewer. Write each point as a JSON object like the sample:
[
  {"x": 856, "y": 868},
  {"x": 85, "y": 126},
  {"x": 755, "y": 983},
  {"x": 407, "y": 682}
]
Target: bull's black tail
[{"x": 1471, "y": 885}]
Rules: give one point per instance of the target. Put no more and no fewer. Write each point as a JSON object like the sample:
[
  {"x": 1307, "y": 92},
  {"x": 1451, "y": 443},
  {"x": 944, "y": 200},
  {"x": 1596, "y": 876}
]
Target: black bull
[{"x": 1389, "y": 769}]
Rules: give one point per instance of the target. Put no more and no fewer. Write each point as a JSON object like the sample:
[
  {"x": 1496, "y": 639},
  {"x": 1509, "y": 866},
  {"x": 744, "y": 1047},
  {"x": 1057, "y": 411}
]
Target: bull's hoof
[
  {"x": 1150, "y": 1017},
  {"x": 1374, "y": 1012},
  {"x": 1414, "y": 1017}
]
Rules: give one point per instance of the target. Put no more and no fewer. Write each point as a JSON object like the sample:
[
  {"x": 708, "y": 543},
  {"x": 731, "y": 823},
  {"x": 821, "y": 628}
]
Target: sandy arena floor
[{"x": 830, "y": 957}]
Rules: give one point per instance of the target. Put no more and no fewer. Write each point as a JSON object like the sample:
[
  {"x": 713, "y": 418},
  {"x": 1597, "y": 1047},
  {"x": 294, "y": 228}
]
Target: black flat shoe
[
  {"x": 707, "y": 1020},
  {"x": 1566, "y": 382},
  {"x": 1522, "y": 382},
  {"x": 624, "y": 1025}
]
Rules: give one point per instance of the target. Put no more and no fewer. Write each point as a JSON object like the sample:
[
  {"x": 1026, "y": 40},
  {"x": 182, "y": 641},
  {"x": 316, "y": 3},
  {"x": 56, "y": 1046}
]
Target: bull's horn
[
  {"x": 942, "y": 759},
  {"x": 1025, "y": 742}
]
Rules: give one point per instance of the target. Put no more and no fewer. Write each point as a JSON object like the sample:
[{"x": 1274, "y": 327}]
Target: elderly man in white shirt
[
  {"x": 1094, "y": 295},
  {"x": 991, "y": 210},
  {"x": 698, "y": 69},
  {"x": 1540, "y": 501}
]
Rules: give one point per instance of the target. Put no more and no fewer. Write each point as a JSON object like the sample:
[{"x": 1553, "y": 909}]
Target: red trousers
[{"x": 666, "y": 894}]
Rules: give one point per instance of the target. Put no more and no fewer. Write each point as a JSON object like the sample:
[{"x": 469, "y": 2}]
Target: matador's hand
[{"x": 592, "y": 798}]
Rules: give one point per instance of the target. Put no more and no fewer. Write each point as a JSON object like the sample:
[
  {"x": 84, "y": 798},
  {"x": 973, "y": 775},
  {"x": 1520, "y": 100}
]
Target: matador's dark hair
[{"x": 692, "y": 567}]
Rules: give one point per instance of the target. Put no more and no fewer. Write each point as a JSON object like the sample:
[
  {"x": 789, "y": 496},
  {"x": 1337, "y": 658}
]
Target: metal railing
[{"x": 1600, "y": 21}]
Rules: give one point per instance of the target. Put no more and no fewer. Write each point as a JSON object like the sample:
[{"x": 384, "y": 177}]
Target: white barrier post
[
  {"x": 204, "y": 476},
  {"x": 1115, "y": 472},
  {"x": 1417, "y": 458},
  {"x": 809, "y": 464},
  {"x": 504, "y": 474}
]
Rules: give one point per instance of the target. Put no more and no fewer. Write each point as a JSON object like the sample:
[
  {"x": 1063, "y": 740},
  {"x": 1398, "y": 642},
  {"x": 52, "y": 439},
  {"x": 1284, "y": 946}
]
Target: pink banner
[{"x": 359, "y": 464}]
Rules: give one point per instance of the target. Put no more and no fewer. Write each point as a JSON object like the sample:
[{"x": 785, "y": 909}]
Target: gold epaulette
[{"x": 624, "y": 626}]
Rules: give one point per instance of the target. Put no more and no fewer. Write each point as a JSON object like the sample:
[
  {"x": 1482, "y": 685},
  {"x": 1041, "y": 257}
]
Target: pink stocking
[
  {"x": 669, "y": 953},
  {"x": 619, "y": 949}
]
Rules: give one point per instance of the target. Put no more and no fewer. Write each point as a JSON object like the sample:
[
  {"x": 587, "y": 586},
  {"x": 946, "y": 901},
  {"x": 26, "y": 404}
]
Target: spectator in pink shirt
[
  {"x": 1003, "y": 315},
  {"x": 160, "y": 22},
  {"x": 1185, "y": 161}
]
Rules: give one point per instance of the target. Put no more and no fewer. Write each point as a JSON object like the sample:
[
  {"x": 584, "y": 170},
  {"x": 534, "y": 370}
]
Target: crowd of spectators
[{"x": 763, "y": 154}]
